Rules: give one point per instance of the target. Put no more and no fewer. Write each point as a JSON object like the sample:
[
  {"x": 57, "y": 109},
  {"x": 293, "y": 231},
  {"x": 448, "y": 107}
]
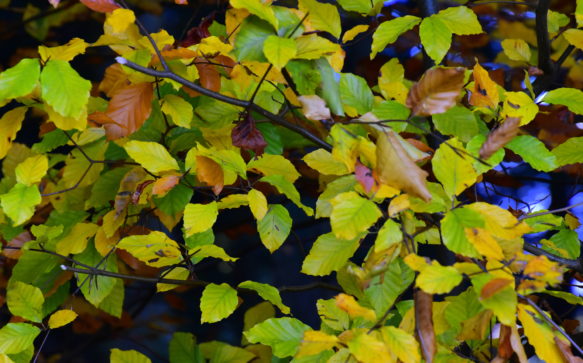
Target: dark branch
[{"x": 571, "y": 264}]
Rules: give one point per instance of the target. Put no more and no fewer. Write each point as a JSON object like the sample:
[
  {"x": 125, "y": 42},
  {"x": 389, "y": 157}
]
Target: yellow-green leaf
[
  {"x": 283, "y": 335},
  {"x": 217, "y": 302},
  {"x": 65, "y": 52},
  {"x": 313, "y": 47},
  {"x": 19, "y": 203},
  {"x": 389, "y": 31},
  {"x": 279, "y": 50},
  {"x": 569, "y": 152},
  {"x": 267, "y": 292},
  {"x": 314, "y": 342},
  {"x": 352, "y": 214},
  {"x": 460, "y": 20},
  {"x": 151, "y": 155},
  {"x": 321, "y": 16},
  {"x": 64, "y": 89},
  {"x": 516, "y": 49},
  {"x": 453, "y": 170},
  {"x": 127, "y": 356},
  {"x": 274, "y": 227},
  {"x": 402, "y": 344},
  {"x": 284, "y": 186},
  {"x": 17, "y": 337},
  {"x": 61, "y": 318},
  {"x": 155, "y": 249},
  {"x": 76, "y": 240},
  {"x": 25, "y": 300},
  {"x": 353, "y": 32},
  {"x": 570, "y": 97},
  {"x": 177, "y": 273},
  {"x": 367, "y": 348},
  {"x": 258, "y": 8},
  {"x": 177, "y": 108},
  {"x": 328, "y": 254},
  {"x": 437, "y": 279},
  {"x": 519, "y": 104},
  {"x": 32, "y": 170},
  {"x": 574, "y": 37},
  {"x": 257, "y": 203},
  {"x": 435, "y": 37},
  {"x": 502, "y": 302},
  {"x": 211, "y": 251},
  {"x": 323, "y": 161},
  {"x": 199, "y": 217},
  {"x": 233, "y": 201},
  {"x": 274, "y": 165},
  {"x": 19, "y": 80}
]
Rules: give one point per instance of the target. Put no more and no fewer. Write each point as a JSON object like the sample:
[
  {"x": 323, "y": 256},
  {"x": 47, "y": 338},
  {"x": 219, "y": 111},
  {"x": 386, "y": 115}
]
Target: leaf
[
  {"x": 534, "y": 152},
  {"x": 367, "y": 348},
  {"x": 483, "y": 241},
  {"x": 494, "y": 286},
  {"x": 352, "y": 215},
  {"x": 569, "y": 152},
  {"x": 279, "y": 51},
  {"x": 154, "y": 249},
  {"x": 258, "y": 8},
  {"x": 499, "y": 137},
  {"x": 437, "y": 279},
  {"x": 389, "y": 31},
  {"x": 269, "y": 165},
  {"x": 257, "y": 203},
  {"x": 314, "y": 108},
  {"x": 217, "y": 302},
  {"x": 75, "y": 241},
  {"x": 360, "y": 6},
  {"x": 275, "y": 227},
  {"x": 312, "y": 46},
  {"x": 354, "y": 32},
  {"x": 453, "y": 169},
  {"x": 20, "y": 80},
  {"x": 328, "y": 254},
  {"x": 64, "y": 89},
  {"x": 210, "y": 172},
  {"x": 485, "y": 92},
  {"x": 324, "y": 17},
  {"x": 177, "y": 108},
  {"x": 539, "y": 334},
  {"x": 435, "y": 37},
  {"x": 32, "y": 170},
  {"x": 267, "y": 292},
  {"x": 285, "y": 187},
  {"x": 401, "y": 343},
  {"x": 222, "y": 352},
  {"x": 20, "y": 202},
  {"x": 453, "y": 229},
  {"x": 10, "y": 124},
  {"x": 460, "y": 20},
  {"x": 129, "y": 108},
  {"x": 424, "y": 324},
  {"x": 384, "y": 289},
  {"x": 102, "y": 6},
  {"x": 574, "y": 37},
  {"x": 17, "y": 337},
  {"x": 436, "y": 92},
  {"x": 353, "y": 308},
  {"x": 164, "y": 184},
  {"x": 392, "y": 156},
  {"x": 151, "y": 155},
  {"x": 315, "y": 342},
  {"x": 61, "y": 318},
  {"x": 65, "y": 52},
  {"x": 246, "y": 136},
  {"x": 502, "y": 301},
  {"x": 25, "y": 300},
  {"x": 283, "y": 335},
  {"x": 519, "y": 104},
  {"x": 199, "y": 217},
  {"x": 457, "y": 121},
  {"x": 249, "y": 40},
  {"x": 209, "y": 250},
  {"x": 329, "y": 87},
  {"x": 566, "y": 352},
  {"x": 570, "y": 97},
  {"x": 120, "y": 19},
  {"x": 127, "y": 356},
  {"x": 516, "y": 49},
  {"x": 389, "y": 234},
  {"x": 183, "y": 349}
]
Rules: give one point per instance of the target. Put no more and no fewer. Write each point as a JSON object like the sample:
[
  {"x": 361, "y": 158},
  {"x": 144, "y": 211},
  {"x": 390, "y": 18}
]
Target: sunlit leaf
[
  {"x": 257, "y": 203},
  {"x": 534, "y": 152},
  {"x": 401, "y": 343},
  {"x": 76, "y": 240},
  {"x": 64, "y": 89},
  {"x": 436, "y": 92},
  {"x": 16, "y": 337},
  {"x": 177, "y": 108},
  {"x": 569, "y": 152},
  {"x": 367, "y": 348},
  {"x": 61, "y": 318},
  {"x": 485, "y": 92},
  {"x": 437, "y": 279},
  {"x": 314, "y": 342},
  {"x": 258, "y": 8},
  {"x": 502, "y": 299},
  {"x": 460, "y": 20},
  {"x": 267, "y": 292},
  {"x": 269, "y": 164},
  {"x": 540, "y": 334},
  {"x": 570, "y": 97},
  {"x": 321, "y": 16},
  {"x": 389, "y": 31},
  {"x": 520, "y": 105},
  {"x": 453, "y": 228},
  {"x": 516, "y": 49},
  {"x": 285, "y": 187},
  {"x": 279, "y": 50},
  {"x": 155, "y": 249},
  {"x": 199, "y": 217},
  {"x": 328, "y": 254},
  {"x": 64, "y": 52},
  {"x": 435, "y": 37},
  {"x": 283, "y": 335},
  {"x": 352, "y": 215},
  {"x": 20, "y": 201},
  {"x": 25, "y": 300},
  {"x": 32, "y": 170},
  {"x": 19, "y": 80},
  {"x": 453, "y": 169},
  {"x": 152, "y": 156},
  {"x": 217, "y": 302},
  {"x": 353, "y": 308}
]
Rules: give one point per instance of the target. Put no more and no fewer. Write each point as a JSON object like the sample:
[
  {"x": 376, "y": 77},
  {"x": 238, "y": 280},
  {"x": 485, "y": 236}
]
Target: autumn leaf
[
  {"x": 500, "y": 137},
  {"x": 424, "y": 324},
  {"x": 314, "y": 108},
  {"x": 164, "y": 184},
  {"x": 365, "y": 177},
  {"x": 210, "y": 172},
  {"x": 494, "y": 286},
  {"x": 436, "y": 92},
  {"x": 485, "y": 91},
  {"x": 102, "y": 6},
  {"x": 565, "y": 350},
  {"x": 129, "y": 108},
  {"x": 246, "y": 136}
]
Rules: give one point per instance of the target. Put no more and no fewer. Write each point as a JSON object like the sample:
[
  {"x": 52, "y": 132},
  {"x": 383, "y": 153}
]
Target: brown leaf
[
  {"x": 164, "y": 184},
  {"x": 396, "y": 168},
  {"x": 493, "y": 286},
  {"x": 113, "y": 80},
  {"x": 16, "y": 243},
  {"x": 245, "y": 135},
  {"x": 102, "y": 6},
  {"x": 500, "y": 137},
  {"x": 129, "y": 108},
  {"x": 210, "y": 77},
  {"x": 314, "y": 108},
  {"x": 565, "y": 350},
  {"x": 197, "y": 33},
  {"x": 210, "y": 172},
  {"x": 436, "y": 91},
  {"x": 505, "y": 350},
  {"x": 485, "y": 91},
  {"x": 424, "y": 324}
]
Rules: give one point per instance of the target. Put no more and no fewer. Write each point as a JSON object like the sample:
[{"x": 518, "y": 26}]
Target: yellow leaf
[
  {"x": 258, "y": 8},
  {"x": 416, "y": 262},
  {"x": 539, "y": 334},
  {"x": 574, "y": 37},
  {"x": 154, "y": 249},
  {"x": 352, "y": 214},
  {"x": 314, "y": 342},
  {"x": 484, "y": 243},
  {"x": 103, "y": 244},
  {"x": 313, "y": 47},
  {"x": 353, "y": 32},
  {"x": 519, "y": 104},
  {"x": 61, "y": 318},
  {"x": 353, "y": 308},
  {"x": 402, "y": 344},
  {"x": 152, "y": 156},
  {"x": 500, "y": 222},
  {"x": 65, "y": 52},
  {"x": 516, "y": 49},
  {"x": 32, "y": 170},
  {"x": 367, "y": 348},
  {"x": 10, "y": 123},
  {"x": 120, "y": 19},
  {"x": 485, "y": 91},
  {"x": 64, "y": 122},
  {"x": 233, "y": 201},
  {"x": 211, "y": 46},
  {"x": 257, "y": 203},
  {"x": 269, "y": 164},
  {"x": 437, "y": 279},
  {"x": 199, "y": 217},
  {"x": 399, "y": 204},
  {"x": 391, "y": 81},
  {"x": 279, "y": 51},
  {"x": 324, "y": 17},
  {"x": 323, "y": 161},
  {"x": 177, "y": 108},
  {"x": 211, "y": 251},
  {"x": 161, "y": 38},
  {"x": 453, "y": 170},
  {"x": 76, "y": 240},
  {"x": 177, "y": 273}
]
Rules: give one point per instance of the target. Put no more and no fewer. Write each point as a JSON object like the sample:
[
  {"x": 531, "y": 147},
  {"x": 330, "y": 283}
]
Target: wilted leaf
[
  {"x": 436, "y": 92},
  {"x": 314, "y": 108},
  {"x": 246, "y": 136},
  {"x": 424, "y": 324},
  {"x": 500, "y": 137}
]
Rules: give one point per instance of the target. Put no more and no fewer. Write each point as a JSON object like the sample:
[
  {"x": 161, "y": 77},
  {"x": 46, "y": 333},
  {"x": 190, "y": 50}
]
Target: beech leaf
[
  {"x": 102, "y": 6},
  {"x": 128, "y": 109},
  {"x": 500, "y": 137},
  {"x": 246, "y": 135},
  {"x": 436, "y": 91}
]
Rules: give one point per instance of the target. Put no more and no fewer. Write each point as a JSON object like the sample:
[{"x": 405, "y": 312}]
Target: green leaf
[
  {"x": 570, "y": 97},
  {"x": 568, "y": 241},
  {"x": 151, "y": 156},
  {"x": 305, "y": 75},
  {"x": 389, "y": 31},
  {"x": 340, "y": 185},
  {"x": 16, "y": 337},
  {"x": 355, "y": 93},
  {"x": 473, "y": 147},
  {"x": 462, "y": 307},
  {"x": 38, "y": 269},
  {"x": 437, "y": 279},
  {"x": 267, "y": 292},
  {"x": 19, "y": 80},
  {"x": 460, "y": 20},
  {"x": 569, "y": 152},
  {"x": 279, "y": 50},
  {"x": 25, "y": 300},
  {"x": 457, "y": 121},
  {"x": 274, "y": 227},
  {"x": 199, "y": 217},
  {"x": 105, "y": 188},
  {"x": 392, "y": 110},
  {"x": 360, "y": 6},
  {"x": 453, "y": 229},
  {"x": 389, "y": 234},
  {"x": 95, "y": 288},
  {"x": 352, "y": 214},
  {"x": 324, "y": 17},
  {"x": 113, "y": 302},
  {"x": 183, "y": 349},
  {"x": 64, "y": 89},
  {"x": 285, "y": 187},
  {"x": 127, "y": 356},
  {"x": 453, "y": 170},
  {"x": 283, "y": 335},
  {"x": 329, "y": 254},
  {"x": 249, "y": 40},
  {"x": 217, "y": 302},
  {"x": 155, "y": 249},
  {"x": 329, "y": 90},
  {"x": 435, "y": 37},
  {"x": 19, "y": 203},
  {"x": 402, "y": 344},
  {"x": 177, "y": 108},
  {"x": 215, "y": 114},
  {"x": 175, "y": 200},
  {"x": 534, "y": 152},
  {"x": 50, "y": 141},
  {"x": 384, "y": 289},
  {"x": 503, "y": 303},
  {"x": 258, "y": 8}
]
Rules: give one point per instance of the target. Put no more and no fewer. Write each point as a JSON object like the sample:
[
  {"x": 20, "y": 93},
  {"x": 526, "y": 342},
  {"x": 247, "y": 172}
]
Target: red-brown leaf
[
  {"x": 565, "y": 350},
  {"x": 436, "y": 92},
  {"x": 500, "y": 137},
  {"x": 493, "y": 286},
  {"x": 129, "y": 108},
  {"x": 505, "y": 350},
  {"x": 12, "y": 250},
  {"x": 102, "y": 6},
  {"x": 364, "y": 176},
  {"x": 424, "y": 324},
  {"x": 197, "y": 33},
  {"x": 164, "y": 184},
  {"x": 245, "y": 135}
]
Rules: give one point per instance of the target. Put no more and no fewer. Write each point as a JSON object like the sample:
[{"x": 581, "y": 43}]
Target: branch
[
  {"x": 571, "y": 264},
  {"x": 564, "y": 209},
  {"x": 544, "y": 47},
  {"x": 226, "y": 99}
]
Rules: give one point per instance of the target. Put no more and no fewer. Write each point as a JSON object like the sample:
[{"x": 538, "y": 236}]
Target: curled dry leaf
[
  {"x": 314, "y": 108},
  {"x": 245, "y": 135},
  {"x": 566, "y": 352},
  {"x": 505, "y": 350},
  {"x": 396, "y": 168},
  {"x": 128, "y": 108},
  {"x": 436, "y": 92},
  {"x": 424, "y": 324},
  {"x": 500, "y": 137},
  {"x": 102, "y": 6}
]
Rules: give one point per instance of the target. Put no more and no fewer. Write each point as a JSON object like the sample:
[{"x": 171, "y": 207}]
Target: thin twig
[
  {"x": 571, "y": 264},
  {"x": 564, "y": 209}
]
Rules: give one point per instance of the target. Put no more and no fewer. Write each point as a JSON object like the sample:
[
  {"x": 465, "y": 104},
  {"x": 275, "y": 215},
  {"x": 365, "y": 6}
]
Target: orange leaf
[
  {"x": 500, "y": 137},
  {"x": 436, "y": 92},
  {"x": 209, "y": 76},
  {"x": 485, "y": 91},
  {"x": 505, "y": 350},
  {"x": 102, "y": 6},
  {"x": 129, "y": 108},
  {"x": 113, "y": 80},
  {"x": 493, "y": 286},
  {"x": 164, "y": 184},
  {"x": 210, "y": 172},
  {"x": 424, "y": 324}
]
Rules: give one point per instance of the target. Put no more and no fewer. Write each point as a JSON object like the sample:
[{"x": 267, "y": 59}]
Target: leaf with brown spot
[
  {"x": 500, "y": 137},
  {"x": 12, "y": 249},
  {"x": 485, "y": 91},
  {"x": 245, "y": 135},
  {"x": 436, "y": 91},
  {"x": 128, "y": 109},
  {"x": 396, "y": 168},
  {"x": 164, "y": 184},
  {"x": 565, "y": 350},
  {"x": 493, "y": 286},
  {"x": 209, "y": 171},
  {"x": 102, "y": 6},
  {"x": 424, "y": 324},
  {"x": 127, "y": 187}
]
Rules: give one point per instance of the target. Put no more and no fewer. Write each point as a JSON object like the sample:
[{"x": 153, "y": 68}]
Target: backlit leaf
[
  {"x": 152, "y": 156},
  {"x": 129, "y": 108},
  {"x": 460, "y": 20},
  {"x": 353, "y": 308},
  {"x": 540, "y": 334},
  {"x": 520, "y": 105},
  {"x": 453, "y": 169},
  {"x": 76, "y": 240},
  {"x": 61, "y": 318},
  {"x": 328, "y": 254},
  {"x": 352, "y": 214},
  {"x": 570, "y": 97},
  {"x": 534, "y": 152},
  {"x": 437, "y": 279},
  {"x": 19, "y": 80},
  {"x": 501, "y": 300},
  {"x": 279, "y": 50},
  {"x": 32, "y": 170},
  {"x": 257, "y": 203},
  {"x": 269, "y": 164},
  {"x": 435, "y": 37},
  {"x": 389, "y": 31},
  {"x": 10, "y": 124},
  {"x": 283, "y": 335},
  {"x": 314, "y": 47},
  {"x": 64, "y": 52},
  {"x": 16, "y": 337},
  {"x": 20, "y": 201},
  {"x": 453, "y": 229},
  {"x": 314, "y": 342},
  {"x": 217, "y": 302},
  {"x": 155, "y": 249},
  {"x": 249, "y": 40},
  {"x": 64, "y": 89},
  {"x": 267, "y": 292},
  {"x": 199, "y": 217},
  {"x": 574, "y": 37},
  {"x": 127, "y": 356},
  {"x": 367, "y": 348},
  {"x": 177, "y": 108},
  {"x": 355, "y": 94},
  {"x": 516, "y": 49},
  {"x": 354, "y": 32},
  {"x": 321, "y": 16},
  {"x": 436, "y": 92},
  {"x": 25, "y": 300},
  {"x": 401, "y": 343},
  {"x": 360, "y": 6},
  {"x": 274, "y": 227},
  {"x": 258, "y": 8},
  {"x": 285, "y": 187}
]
